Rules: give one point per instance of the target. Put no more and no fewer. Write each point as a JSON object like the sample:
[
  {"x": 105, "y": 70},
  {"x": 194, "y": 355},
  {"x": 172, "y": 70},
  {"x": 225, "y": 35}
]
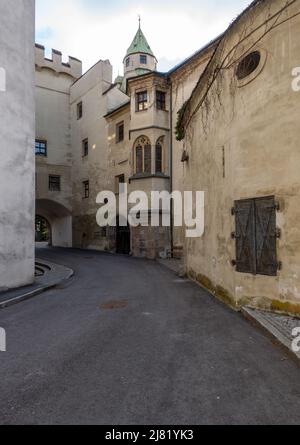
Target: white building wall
[
  {"x": 53, "y": 81},
  {"x": 17, "y": 143}
]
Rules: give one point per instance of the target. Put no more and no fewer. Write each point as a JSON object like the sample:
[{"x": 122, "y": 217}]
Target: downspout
[{"x": 171, "y": 171}]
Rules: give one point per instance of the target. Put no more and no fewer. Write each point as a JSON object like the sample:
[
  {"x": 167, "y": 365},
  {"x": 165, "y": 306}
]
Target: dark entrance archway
[
  {"x": 123, "y": 245},
  {"x": 42, "y": 230}
]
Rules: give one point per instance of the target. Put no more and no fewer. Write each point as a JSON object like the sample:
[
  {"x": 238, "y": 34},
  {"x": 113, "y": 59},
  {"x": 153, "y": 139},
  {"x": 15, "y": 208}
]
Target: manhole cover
[{"x": 121, "y": 304}]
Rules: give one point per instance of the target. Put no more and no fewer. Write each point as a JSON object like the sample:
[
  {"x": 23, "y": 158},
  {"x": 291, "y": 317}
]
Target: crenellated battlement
[{"x": 73, "y": 67}]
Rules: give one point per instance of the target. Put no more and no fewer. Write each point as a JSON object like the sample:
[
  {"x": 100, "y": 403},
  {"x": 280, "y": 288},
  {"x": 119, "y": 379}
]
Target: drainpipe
[{"x": 171, "y": 170}]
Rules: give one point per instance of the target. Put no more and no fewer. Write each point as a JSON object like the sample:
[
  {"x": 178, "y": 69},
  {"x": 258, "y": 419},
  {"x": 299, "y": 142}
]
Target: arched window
[
  {"x": 142, "y": 156},
  {"x": 159, "y": 155}
]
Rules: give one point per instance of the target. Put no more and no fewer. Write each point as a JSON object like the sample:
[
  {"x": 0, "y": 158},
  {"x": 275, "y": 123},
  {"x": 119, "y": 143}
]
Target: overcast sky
[{"x": 103, "y": 29}]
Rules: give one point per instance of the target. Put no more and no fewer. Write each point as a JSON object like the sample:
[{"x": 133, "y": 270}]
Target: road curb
[
  {"x": 257, "y": 319},
  {"x": 69, "y": 273}
]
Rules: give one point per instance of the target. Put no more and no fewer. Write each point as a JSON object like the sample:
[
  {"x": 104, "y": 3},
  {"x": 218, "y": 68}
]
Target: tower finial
[{"x": 140, "y": 21}]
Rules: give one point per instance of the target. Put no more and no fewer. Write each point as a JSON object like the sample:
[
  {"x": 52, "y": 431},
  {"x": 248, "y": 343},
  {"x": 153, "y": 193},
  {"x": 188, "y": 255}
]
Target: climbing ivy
[{"x": 180, "y": 129}]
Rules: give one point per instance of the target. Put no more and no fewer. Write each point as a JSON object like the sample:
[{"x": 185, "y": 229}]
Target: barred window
[{"x": 54, "y": 183}]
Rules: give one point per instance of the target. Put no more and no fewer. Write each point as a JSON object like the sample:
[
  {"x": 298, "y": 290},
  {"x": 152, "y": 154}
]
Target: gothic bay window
[
  {"x": 159, "y": 155},
  {"x": 160, "y": 100},
  {"x": 127, "y": 62},
  {"x": 40, "y": 148},
  {"x": 143, "y": 59},
  {"x": 142, "y": 101},
  {"x": 143, "y": 157}
]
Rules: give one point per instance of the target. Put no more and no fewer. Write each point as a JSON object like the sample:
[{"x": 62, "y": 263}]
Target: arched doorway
[{"x": 42, "y": 230}]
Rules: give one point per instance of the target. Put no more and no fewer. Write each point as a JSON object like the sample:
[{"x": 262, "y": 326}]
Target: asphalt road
[{"x": 127, "y": 342}]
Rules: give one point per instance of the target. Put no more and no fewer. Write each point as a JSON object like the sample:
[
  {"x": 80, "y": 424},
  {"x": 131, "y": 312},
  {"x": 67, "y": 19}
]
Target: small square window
[
  {"x": 79, "y": 110},
  {"x": 142, "y": 101},
  {"x": 120, "y": 132},
  {"x": 40, "y": 148},
  {"x": 143, "y": 59},
  {"x": 85, "y": 148},
  {"x": 54, "y": 183},
  {"x": 160, "y": 100},
  {"x": 86, "y": 189}
]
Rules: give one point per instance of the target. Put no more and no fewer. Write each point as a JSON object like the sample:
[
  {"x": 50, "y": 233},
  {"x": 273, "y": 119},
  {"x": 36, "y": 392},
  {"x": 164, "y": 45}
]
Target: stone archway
[
  {"x": 59, "y": 219},
  {"x": 43, "y": 230}
]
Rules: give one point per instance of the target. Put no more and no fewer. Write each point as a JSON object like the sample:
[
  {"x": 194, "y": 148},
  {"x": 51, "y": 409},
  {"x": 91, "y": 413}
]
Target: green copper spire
[{"x": 139, "y": 44}]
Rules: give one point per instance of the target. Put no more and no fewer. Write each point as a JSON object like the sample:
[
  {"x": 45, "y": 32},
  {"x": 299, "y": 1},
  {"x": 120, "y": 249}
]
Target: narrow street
[{"x": 125, "y": 341}]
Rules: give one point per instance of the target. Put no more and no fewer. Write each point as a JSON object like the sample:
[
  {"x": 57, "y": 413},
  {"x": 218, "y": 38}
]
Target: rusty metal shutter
[
  {"x": 245, "y": 236},
  {"x": 265, "y": 226}
]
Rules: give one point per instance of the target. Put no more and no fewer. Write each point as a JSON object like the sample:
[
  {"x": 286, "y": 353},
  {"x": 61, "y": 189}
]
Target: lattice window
[{"x": 143, "y": 156}]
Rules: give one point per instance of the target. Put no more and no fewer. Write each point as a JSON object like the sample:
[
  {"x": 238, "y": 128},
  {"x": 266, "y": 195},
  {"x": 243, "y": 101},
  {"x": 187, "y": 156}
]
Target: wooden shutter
[
  {"x": 245, "y": 236},
  {"x": 266, "y": 250}
]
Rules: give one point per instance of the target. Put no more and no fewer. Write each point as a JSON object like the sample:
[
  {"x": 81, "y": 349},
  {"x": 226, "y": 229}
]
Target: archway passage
[
  {"x": 59, "y": 220},
  {"x": 42, "y": 230}
]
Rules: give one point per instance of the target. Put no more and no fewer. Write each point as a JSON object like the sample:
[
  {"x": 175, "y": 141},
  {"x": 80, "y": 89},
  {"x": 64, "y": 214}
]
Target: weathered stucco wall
[
  {"x": 53, "y": 125},
  {"x": 89, "y": 90},
  {"x": 183, "y": 83},
  {"x": 17, "y": 143},
  {"x": 243, "y": 143}
]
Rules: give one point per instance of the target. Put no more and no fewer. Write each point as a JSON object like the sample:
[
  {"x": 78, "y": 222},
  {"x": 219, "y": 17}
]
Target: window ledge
[{"x": 138, "y": 177}]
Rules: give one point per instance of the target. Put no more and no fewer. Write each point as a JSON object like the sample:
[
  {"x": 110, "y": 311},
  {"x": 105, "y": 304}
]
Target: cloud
[{"x": 97, "y": 29}]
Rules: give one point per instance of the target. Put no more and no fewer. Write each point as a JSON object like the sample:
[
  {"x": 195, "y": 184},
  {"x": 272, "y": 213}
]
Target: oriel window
[
  {"x": 143, "y": 156},
  {"x": 142, "y": 101},
  {"x": 143, "y": 59},
  {"x": 159, "y": 155},
  {"x": 160, "y": 100}
]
